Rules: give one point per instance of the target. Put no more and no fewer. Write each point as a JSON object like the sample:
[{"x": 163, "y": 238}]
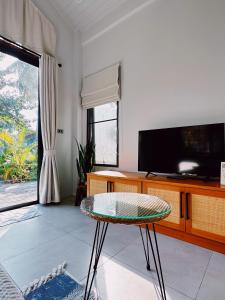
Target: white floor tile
[
  {"x": 183, "y": 264},
  {"x": 117, "y": 237},
  {"x": 40, "y": 261},
  {"x": 213, "y": 285},
  {"x": 23, "y": 236},
  {"x": 118, "y": 282},
  {"x": 65, "y": 217}
]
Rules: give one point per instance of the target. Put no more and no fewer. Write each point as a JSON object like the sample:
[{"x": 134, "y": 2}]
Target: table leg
[
  {"x": 146, "y": 248},
  {"x": 156, "y": 257},
  {"x": 99, "y": 238}
]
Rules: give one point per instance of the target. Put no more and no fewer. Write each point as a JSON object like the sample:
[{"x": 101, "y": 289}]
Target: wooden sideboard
[{"x": 198, "y": 207}]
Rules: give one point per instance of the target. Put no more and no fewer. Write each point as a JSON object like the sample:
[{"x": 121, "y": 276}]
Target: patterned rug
[
  {"x": 57, "y": 285},
  {"x": 18, "y": 215},
  {"x": 8, "y": 288}
]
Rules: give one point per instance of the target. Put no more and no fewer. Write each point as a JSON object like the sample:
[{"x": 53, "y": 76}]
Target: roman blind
[{"x": 101, "y": 87}]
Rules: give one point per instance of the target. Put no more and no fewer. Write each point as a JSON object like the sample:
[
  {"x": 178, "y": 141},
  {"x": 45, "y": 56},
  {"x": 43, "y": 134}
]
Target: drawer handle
[
  {"x": 187, "y": 206},
  {"x": 181, "y": 205},
  {"x": 109, "y": 186}
]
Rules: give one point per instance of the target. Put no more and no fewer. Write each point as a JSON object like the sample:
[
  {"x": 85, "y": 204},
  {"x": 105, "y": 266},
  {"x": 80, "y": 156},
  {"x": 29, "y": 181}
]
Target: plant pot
[{"x": 80, "y": 194}]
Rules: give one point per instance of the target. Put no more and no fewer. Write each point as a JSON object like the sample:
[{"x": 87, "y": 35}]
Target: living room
[{"x": 122, "y": 72}]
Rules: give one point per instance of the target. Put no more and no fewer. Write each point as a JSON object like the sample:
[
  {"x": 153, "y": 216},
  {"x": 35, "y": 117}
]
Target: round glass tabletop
[{"x": 125, "y": 208}]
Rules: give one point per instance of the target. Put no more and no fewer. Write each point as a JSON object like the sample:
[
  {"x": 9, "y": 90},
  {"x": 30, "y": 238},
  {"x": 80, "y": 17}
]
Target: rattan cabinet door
[
  {"x": 175, "y": 197},
  {"x": 206, "y": 216},
  {"x": 128, "y": 186},
  {"x": 97, "y": 185}
]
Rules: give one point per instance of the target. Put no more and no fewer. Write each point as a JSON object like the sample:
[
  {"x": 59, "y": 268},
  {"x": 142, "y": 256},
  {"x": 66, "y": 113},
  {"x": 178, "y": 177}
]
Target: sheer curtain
[{"x": 49, "y": 185}]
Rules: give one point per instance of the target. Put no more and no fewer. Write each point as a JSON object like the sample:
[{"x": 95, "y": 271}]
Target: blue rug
[{"x": 59, "y": 287}]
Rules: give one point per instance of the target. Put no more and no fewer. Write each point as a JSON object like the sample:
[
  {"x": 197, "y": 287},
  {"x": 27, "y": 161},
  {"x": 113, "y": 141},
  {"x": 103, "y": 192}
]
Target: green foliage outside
[
  {"x": 19, "y": 161},
  {"x": 18, "y": 110}
]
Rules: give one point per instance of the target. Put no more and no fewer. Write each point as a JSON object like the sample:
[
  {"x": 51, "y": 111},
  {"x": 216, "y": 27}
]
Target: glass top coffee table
[{"x": 128, "y": 209}]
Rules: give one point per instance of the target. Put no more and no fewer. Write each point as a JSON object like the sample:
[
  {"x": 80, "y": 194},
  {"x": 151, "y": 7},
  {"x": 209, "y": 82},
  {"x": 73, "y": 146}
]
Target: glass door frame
[{"x": 32, "y": 58}]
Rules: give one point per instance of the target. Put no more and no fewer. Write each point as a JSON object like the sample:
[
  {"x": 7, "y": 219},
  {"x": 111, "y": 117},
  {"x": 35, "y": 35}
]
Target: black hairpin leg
[
  {"x": 146, "y": 249},
  {"x": 100, "y": 233},
  {"x": 156, "y": 257}
]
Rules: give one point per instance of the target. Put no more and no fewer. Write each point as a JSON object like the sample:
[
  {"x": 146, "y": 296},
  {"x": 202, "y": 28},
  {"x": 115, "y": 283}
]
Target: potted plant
[{"x": 85, "y": 164}]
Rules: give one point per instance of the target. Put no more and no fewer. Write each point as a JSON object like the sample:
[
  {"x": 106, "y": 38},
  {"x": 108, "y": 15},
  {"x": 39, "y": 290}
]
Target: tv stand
[{"x": 198, "y": 206}]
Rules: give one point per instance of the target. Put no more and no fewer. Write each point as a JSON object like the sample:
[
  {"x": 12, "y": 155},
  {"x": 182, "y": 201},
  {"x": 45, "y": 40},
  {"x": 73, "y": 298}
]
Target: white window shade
[{"x": 101, "y": 87}]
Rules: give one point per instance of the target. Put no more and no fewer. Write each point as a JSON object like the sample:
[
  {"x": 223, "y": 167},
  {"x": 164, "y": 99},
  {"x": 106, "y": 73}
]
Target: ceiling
[{"x": 83, "y": 14}]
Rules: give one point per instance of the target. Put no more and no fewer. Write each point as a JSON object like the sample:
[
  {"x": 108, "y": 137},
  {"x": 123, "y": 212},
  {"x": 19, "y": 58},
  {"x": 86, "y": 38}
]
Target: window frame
[
  {"x": 91, "y": 132},
  {"x": 28, "y": 56},
  {"x": 22, "y": 53}
]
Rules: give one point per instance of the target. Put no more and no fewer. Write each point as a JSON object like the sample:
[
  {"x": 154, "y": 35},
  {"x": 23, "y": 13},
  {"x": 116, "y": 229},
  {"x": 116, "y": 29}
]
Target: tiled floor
[{"x": 31, "y": 248}]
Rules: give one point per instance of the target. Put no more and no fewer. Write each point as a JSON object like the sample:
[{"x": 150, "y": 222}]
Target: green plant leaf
[{"x": 85, "y": 161}]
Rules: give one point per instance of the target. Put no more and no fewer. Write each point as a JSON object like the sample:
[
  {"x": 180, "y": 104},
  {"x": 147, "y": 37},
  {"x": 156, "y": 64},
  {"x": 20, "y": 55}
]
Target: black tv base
[
  {"x": 150, "y": 173},
  {"x": 184, "y": 177},
  {"x": 195, "y": 177}
]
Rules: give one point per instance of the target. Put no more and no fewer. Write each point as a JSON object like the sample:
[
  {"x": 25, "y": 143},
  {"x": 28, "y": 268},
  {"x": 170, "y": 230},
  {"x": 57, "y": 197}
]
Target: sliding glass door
[{"x": 19, "y": 126}]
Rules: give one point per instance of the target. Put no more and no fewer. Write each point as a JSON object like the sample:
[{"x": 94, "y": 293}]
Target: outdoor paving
[{"x": 17, "y": 193}]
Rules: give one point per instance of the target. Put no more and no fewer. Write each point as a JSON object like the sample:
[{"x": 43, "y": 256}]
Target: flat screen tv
[{"x": 195, "y": 151}]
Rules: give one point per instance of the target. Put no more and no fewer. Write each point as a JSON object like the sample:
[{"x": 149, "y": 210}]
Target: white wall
[
  {"x": 77, "y": 109},
  {"x": 67, "y": 44},
  {"x": 173, "y": 67}
]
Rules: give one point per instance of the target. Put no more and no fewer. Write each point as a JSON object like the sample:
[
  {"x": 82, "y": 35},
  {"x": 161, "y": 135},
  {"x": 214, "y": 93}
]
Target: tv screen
[{"x": 192, "y": 150}]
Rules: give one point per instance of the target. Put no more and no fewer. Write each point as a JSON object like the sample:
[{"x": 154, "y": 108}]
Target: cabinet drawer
[
  {"x": 97, "y": 186},
  {"x": 207, "y": 216},
  {"x": 175, "y": 198},
  {"x": 127, "y": 186}
]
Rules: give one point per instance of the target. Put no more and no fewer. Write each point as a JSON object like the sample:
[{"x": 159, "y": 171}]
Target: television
[{"x": 191, "y": 151}]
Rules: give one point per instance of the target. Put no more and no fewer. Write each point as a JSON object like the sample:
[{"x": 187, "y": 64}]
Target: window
[
  {"x": 102, "y": 130},
  {"x": 19, "y": 126}
]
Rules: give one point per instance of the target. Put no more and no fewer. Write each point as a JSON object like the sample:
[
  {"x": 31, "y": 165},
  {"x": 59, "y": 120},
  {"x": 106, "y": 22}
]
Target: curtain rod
[{"x": 24, "y": 48}]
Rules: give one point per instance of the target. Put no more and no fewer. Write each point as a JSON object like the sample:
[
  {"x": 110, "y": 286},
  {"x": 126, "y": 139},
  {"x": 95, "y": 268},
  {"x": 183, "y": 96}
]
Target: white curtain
[
  {"x": 101, "y": 87},
  {"x": 49, "y": 184},
  {"x": 22, "y": 22}
]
